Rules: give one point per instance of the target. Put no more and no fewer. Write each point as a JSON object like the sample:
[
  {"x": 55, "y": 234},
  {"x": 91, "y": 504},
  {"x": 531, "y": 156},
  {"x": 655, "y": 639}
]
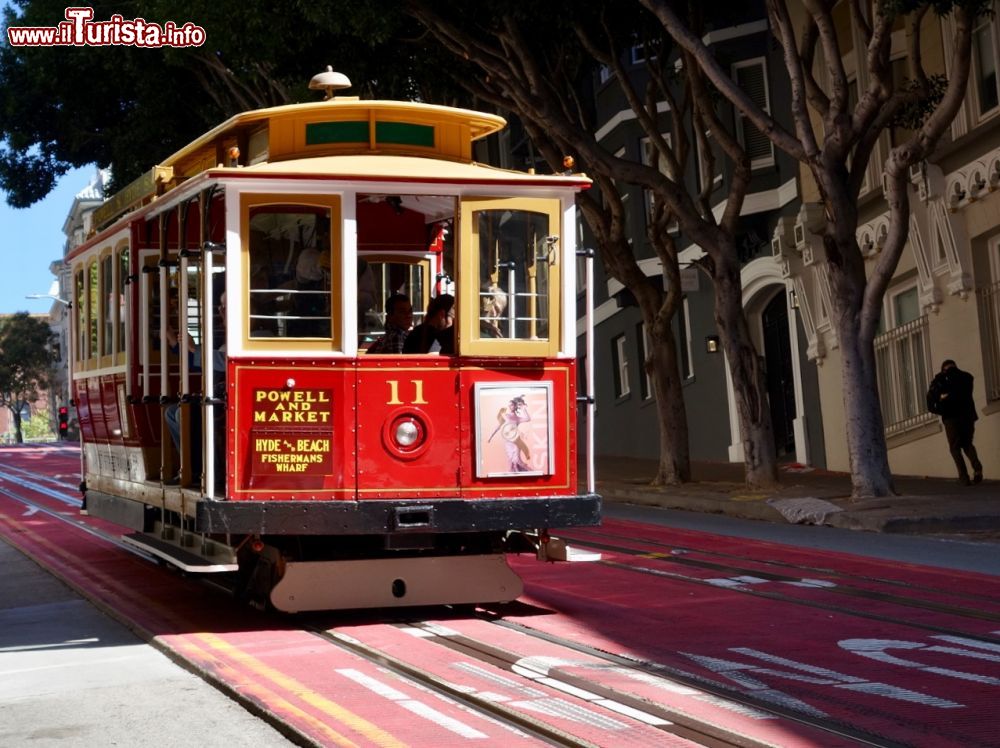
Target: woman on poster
[{"x": 510, "y": 419}]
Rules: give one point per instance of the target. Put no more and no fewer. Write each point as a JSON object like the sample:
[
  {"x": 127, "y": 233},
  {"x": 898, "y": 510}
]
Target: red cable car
[{"x": 322, "y": 349}]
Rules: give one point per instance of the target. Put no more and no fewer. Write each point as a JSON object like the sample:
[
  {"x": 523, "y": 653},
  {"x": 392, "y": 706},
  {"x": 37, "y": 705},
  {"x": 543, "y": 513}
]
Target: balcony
[{"x": 903, "y": 362}]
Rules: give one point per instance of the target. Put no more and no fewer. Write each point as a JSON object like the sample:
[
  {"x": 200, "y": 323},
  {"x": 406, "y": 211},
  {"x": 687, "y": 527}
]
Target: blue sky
[{"x": 30, "y": 239}]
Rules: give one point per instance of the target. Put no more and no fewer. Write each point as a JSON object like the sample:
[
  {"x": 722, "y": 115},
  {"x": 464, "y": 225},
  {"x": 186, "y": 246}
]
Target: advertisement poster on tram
[{"x": 513, "y": 429}]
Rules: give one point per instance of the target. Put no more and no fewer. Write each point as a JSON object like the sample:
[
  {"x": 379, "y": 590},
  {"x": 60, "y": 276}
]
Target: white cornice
[
  {"x": 624, "y": 116},
  {"x": 734, "y": 32},
  {"x": 761, "y": 202}
]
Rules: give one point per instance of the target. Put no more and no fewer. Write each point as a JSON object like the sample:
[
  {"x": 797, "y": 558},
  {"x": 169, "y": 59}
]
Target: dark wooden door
[{"x": 780, "y": 381}]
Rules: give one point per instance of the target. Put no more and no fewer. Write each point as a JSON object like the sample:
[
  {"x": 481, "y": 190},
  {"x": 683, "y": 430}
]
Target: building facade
[
  {"x": 944, "y": 299},
  {"x": 943, "y": 302},
  {"x": 626, "y": 418}
]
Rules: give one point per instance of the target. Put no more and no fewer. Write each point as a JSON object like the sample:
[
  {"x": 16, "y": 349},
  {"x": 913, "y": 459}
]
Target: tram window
[
  {"x": 193, "y": 307},
  {"x": 514, "y": 261},
  {"x": 122, "y": 277},
  {"x": 93, "y": 309},
  {"x": 108, "y": 311},
  {"x": 81, "y": 316},
  {"x": 289, "y": 256},
  {"x": 380, "y": 279},
  {"x": 153, "y": 304}
]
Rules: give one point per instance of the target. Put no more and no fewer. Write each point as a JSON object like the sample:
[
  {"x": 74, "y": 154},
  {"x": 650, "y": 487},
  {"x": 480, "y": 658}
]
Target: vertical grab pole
[
  {"x": 591, "y": 401},
  {"x": 533, "y": 290},
  {"x": 208, "y": 347},
  {"x": 511, "y": 299},
  {"x": 208, "y": 369}
]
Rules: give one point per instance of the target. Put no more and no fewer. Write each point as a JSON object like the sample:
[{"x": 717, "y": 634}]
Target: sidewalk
[{"x": 810, "y": 496}]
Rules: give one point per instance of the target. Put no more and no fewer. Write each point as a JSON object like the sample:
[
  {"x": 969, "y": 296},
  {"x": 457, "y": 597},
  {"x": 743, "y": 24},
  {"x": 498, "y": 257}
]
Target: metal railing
[
  {"x": 988, "y": 299},
  {"x": 903, "y": 362}
]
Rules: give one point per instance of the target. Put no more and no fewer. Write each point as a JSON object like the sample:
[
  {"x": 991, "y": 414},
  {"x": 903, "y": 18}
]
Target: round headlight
[{"x": 406, "y": 433}]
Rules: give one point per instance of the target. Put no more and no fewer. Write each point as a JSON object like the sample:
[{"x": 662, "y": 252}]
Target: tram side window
[
  {"x": 193, "y": 307},
  {"x": 122, "y": 277},
  {"x": 377, "y": 281},
  {"x": 289, "y": 255},
  {"x": 514, "y": 262},
  {"x": 108, "y": 294},
  {"x": 81, "y": 315},
  {"x": 93, "y": 308}
]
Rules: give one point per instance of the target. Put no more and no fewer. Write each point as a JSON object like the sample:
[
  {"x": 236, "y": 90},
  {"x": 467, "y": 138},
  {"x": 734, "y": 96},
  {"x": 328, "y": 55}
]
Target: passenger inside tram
[
  {"x": 436, "y": 334},
  {"x": 398, "y": 321},
  {"x": 172, "y": 413}
]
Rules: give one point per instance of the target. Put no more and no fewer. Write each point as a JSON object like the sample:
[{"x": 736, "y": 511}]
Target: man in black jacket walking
[{"x": 950, "y": 396}]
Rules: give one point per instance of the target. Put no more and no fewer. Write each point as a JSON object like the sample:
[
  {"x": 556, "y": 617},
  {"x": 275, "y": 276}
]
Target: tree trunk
[
  {"x": 866, "y": 447},
  {"x": 18, "y": 436},
  {"x": 747, "y": 374},
  {"x": 664, "y": 372}
]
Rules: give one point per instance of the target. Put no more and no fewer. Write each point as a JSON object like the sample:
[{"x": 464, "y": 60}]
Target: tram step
[{"x": 186, "y": 559}]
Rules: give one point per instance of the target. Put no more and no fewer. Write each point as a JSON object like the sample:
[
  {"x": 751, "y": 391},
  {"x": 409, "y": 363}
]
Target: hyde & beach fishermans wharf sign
[{"x": 291, "y": 432}]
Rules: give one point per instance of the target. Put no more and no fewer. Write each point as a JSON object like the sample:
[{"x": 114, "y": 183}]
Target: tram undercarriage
[{"x": 297, "y": 573}]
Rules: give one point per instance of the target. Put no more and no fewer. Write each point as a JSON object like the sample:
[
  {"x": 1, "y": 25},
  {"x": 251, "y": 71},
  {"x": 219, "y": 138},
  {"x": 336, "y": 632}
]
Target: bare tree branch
[
  {"x": 706, "y": 60},
  {"x": 820, "y": 12},
  {"x": 858, "y": 15},
  {"x": 807, "y": 53},
  {"x": 914, "y": 54}
]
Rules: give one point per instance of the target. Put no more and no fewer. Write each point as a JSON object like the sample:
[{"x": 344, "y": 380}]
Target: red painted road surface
[{"x": 899, "y": 654}]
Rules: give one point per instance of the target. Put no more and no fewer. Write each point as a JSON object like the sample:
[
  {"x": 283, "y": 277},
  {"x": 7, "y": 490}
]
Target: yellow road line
[{"x": 291, "y": 685}]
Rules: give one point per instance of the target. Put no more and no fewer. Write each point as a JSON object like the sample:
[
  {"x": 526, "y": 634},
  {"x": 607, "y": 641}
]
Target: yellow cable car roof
[
  {"x": 400, "y": 169},
  {"x": 341, "y": 109}
]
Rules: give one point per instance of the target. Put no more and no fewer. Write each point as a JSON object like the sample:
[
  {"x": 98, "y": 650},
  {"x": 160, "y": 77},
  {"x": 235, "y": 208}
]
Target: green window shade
[
  {"x": 404, "y": 133},
  {"x": 318, "y": 133}
]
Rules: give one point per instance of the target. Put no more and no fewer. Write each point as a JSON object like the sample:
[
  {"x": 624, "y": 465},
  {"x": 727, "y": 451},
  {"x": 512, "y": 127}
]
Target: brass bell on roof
[{"x": 329, "y": 81}]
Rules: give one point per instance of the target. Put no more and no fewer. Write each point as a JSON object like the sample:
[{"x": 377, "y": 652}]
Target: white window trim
[
  {"x": 994, "y": 254},
  {"x": 637, "y": 54},
  {"x": 687, "y": 339},
  {"x": 977, "y": 117},
  {"x": 621, "y": 349},
  {"x": 644, "y": 351},
  {"x": 891, "y": 297},
  {"x": 759, "y": 163},
  {"x": 700, "y": 166},
  {"x": 645, "y": 158}
]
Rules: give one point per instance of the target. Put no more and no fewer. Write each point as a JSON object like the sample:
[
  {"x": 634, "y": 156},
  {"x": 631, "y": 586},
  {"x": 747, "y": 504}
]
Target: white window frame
[
  {"x": 977, "y": 115},
  {"x": 646, "y": 158},
  {"x": 766, "y": 161},
  {"x": 939, "y": 250},
  {"x": 993, "y": 252},
  {"x": 686, "y": 332},
  {"x": 643, "y": 346},
  {"x": 637, "y": 54},
  {"x": 700, "y": 166},
  {"x": 904, "y": 370},
  {"x": 622, "y": 389}
]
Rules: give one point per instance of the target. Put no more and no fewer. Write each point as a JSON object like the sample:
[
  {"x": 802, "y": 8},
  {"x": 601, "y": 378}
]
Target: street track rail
[
  {"x": 408, "y": 673},
  {"x": 678, "y": 723},
  {"x": 584, "y": 533},
  {"x": 738, "y": 571}
]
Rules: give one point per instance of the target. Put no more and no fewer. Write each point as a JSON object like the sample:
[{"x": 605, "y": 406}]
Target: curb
[{"x": 880, "y": 516}]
